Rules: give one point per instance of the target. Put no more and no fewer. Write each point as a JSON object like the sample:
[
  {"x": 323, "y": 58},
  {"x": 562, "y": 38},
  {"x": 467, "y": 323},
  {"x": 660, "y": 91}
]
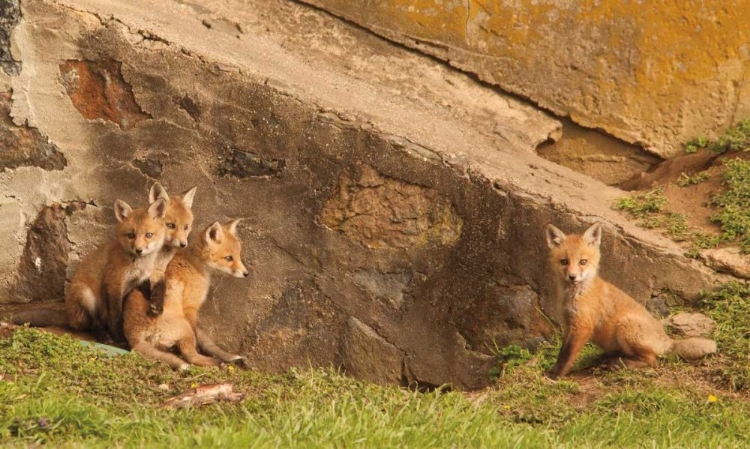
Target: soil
[
  {"x": 596, "y": 154},
  {"x": 693, "y": 201}
]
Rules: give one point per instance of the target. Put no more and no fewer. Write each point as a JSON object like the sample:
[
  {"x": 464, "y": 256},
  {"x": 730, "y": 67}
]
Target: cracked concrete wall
[
  {"x": 385, "y": 232},
  {"x": 652, "y": 74}
]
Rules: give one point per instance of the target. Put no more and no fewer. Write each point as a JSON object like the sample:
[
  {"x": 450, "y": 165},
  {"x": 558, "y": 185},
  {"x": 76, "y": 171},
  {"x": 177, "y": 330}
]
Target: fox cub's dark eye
[
  {"x": 130, "y": 235},
  {"x": 186, "y": 227},
  {"x": 583, "y": 261},
  {"x": 229, "y": 258},
  {"x": 149, "y": 235},
  {"x": 171, "y": 225},
  {"x": 563, "y": 262}
]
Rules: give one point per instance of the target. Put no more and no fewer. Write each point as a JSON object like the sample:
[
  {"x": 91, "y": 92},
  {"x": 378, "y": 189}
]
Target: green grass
[
  {"x": 65, "y": 395},
  {"x": 735, "y": 138},
  {"x": 732, "y": 211},
  {"x": 643, "y": 204},
  {"x": 650, "y": 208},
  {"x": 733, "y": 204},
  {"x": 688, "y": 180},
  {"x": 729, "y": 306}
]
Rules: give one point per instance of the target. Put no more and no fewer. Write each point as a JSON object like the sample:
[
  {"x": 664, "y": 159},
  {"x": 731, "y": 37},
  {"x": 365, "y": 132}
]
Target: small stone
[
  {"x": 163, "y": 387},
  {"x": 727, "y": 260},
  {"x": 690, "y": 324}
]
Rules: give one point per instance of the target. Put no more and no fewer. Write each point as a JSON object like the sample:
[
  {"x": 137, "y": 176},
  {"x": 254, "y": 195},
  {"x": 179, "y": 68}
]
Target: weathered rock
[
  {"x": 243, "y": 164},
  {"x": 504, "y": 315},
  {"x": 387, "y": 213},
  {"x": 727, "y": 260},
  {"x": 10, "y": 15},
  {"x": 23, "y": 146},
  {"x": 369, "y": 356},
  {"x": 151, "y": 167},
  {"x": 657, "y": 77},
  {"x": 98, "y": 90},
  {"x": 397, "y": 203},
  {"x": 388, "y": 287},
  {"x": 690, "y": 324},
  {"x": 13, "y": 226},
  {"x": 42, "y": 272}
]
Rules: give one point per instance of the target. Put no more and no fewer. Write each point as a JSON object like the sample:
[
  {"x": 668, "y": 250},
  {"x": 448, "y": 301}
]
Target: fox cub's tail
[
  {"x": 693, "y": 348},
  {"x": 40, "y": 318}
]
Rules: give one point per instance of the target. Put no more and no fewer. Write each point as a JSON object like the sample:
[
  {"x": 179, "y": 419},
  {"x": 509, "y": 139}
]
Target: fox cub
[
  {"x": 95, "y": 294},
  {"x": 179, "y": 222},
  {"x": 186, "y": 285},
  {"x": 597, "y": 311}
]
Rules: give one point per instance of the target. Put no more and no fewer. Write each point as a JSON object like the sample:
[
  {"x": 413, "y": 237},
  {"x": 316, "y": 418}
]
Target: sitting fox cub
[
  {"x": 186, "y": 284},
  {"x": 597, "y": 311}
]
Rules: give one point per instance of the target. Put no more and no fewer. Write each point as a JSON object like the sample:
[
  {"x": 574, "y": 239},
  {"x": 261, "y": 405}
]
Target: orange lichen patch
[
  {"x": 652, "y": 73},
  {"x": 98, "y": 90}
]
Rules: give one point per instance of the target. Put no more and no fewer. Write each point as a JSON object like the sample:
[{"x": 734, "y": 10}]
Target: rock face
[
  {"x": 389, "y": 228},
  {"x": 601, "y": 63}
]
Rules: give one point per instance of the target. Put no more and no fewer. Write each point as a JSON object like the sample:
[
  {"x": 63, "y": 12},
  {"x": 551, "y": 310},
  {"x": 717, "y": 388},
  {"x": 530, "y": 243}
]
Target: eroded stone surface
[
  {"x": 10, "y": 15},
  {"x": 503, "y": 315},
  {"x": 388, "y": 287},
  {"x": 244, "y": 164},
  {"x": 728, "y": 260},
  {"x": 41, "y": 274},
  {"x": 381, "y": 212},
  {"x": 656, "y": 76},
  {"x": 98, "y": 90},
  {"x": 23, "y": 146},
  {"x": 369, "y": 356}
]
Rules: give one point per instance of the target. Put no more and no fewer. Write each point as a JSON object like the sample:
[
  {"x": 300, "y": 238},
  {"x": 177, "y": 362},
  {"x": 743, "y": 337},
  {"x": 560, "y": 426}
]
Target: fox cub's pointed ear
[
  {"x": 232, "y": 226},
  {"x": 214, "y": 233},
  {"x": 555, "y": 237},
  {"x": 122, "y": 210},
  {"x": 158, "y": 209},
  {"x": 157, "y": 191},
  {"x": 187, "y": 197},
  {"x": 593, "y": 235}
]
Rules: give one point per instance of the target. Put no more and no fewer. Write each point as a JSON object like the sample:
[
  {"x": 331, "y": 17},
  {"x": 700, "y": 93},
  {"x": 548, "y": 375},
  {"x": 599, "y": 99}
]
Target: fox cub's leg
[
  {"x": 575, "y": 339},
  {"x": 189, "y": 350},
  {"x": 114, "y": 299},
  {"x": 209, "y": 347},
  {"x": 154, "y": 293},
  {"x": 153, "y": 353}
]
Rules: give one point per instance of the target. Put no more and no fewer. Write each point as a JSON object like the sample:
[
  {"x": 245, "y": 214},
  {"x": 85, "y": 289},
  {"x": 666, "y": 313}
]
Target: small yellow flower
[
  {"x": 193, "y": 385},
  {"x": 230, "y": 368},
  {"x": 507, "y": 407},
  {"x": 712, "y": 398}
]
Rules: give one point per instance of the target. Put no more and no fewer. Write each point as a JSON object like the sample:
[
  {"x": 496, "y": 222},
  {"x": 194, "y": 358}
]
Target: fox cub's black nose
[
  {"x": 139, "y": 250},
  {"x": 572, "y": 277},
  {"x": 183, "y": 244}
]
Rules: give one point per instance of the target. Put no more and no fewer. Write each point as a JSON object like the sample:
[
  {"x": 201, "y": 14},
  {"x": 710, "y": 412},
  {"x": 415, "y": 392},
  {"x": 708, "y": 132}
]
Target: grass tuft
[
  {"x": 729, "y": 306},
  {"x": 735, "y": 138},
  {"x": 688, "y": 180},
  {"x": 733, "y": 204},
  {"x": 642, "y": 204}
]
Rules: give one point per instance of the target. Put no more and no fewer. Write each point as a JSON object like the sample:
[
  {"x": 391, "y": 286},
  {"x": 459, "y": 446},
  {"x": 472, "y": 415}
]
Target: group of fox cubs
[{"x": 150, "y": 257}]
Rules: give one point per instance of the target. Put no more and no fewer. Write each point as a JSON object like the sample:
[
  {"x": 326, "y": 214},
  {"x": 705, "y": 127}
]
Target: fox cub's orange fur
[
  {"x": 188, "y": 278},
  {"x": 94, "y": 297},
  {"x": 179, "y": 223},
  {"x": 597, "y": 311}
]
